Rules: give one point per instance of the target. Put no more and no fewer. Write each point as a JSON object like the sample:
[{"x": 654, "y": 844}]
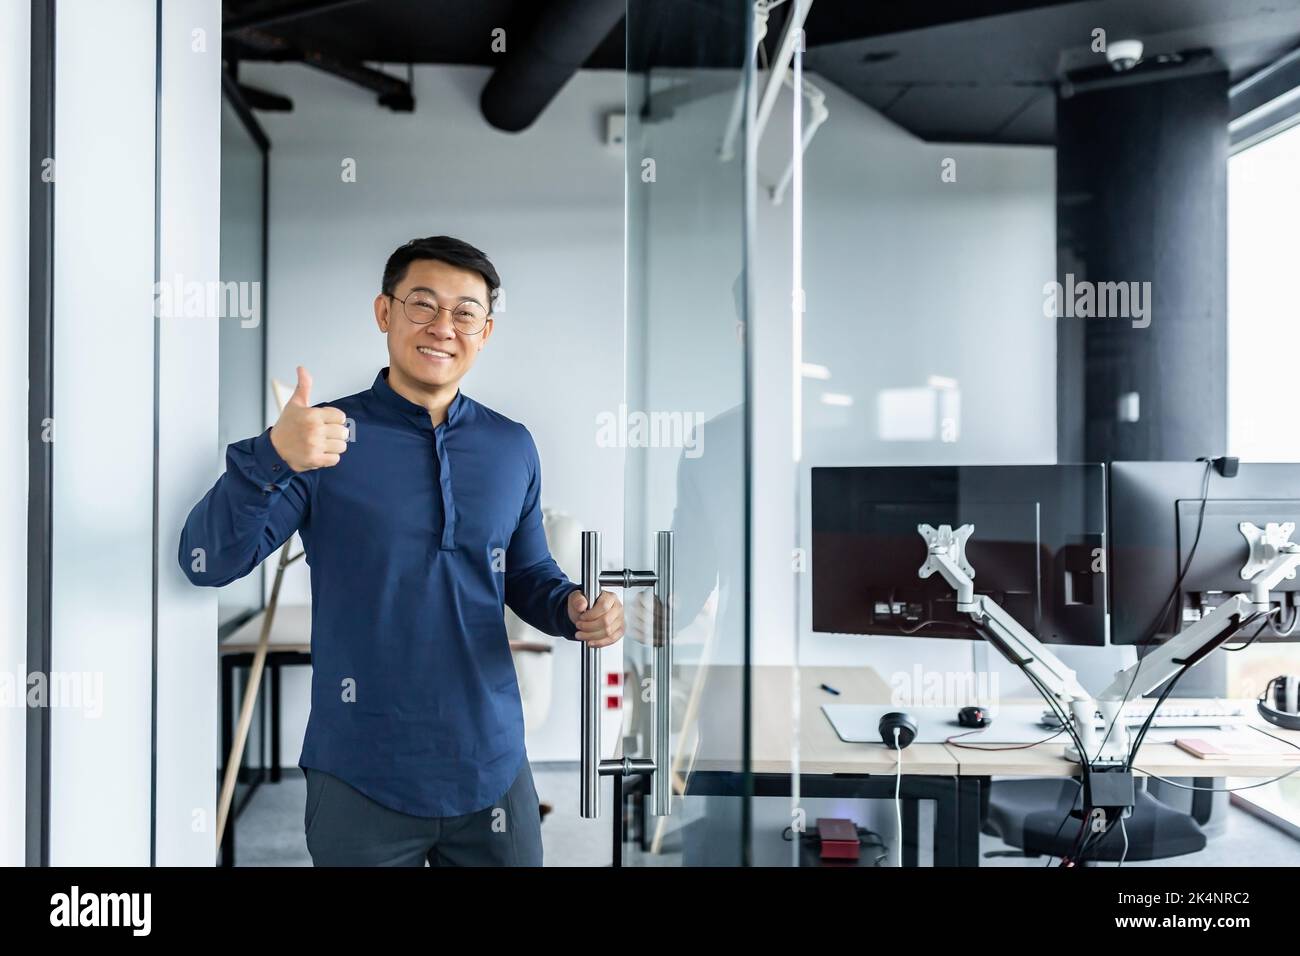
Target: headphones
[
  {"x": 1280, "y": 702},
  {"x": 906, "y": 727}
]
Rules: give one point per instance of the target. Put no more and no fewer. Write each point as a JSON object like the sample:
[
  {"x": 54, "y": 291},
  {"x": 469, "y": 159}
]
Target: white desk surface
[
  {"x": 822, "y": 751},
  {"x": 290, "y": 631}
]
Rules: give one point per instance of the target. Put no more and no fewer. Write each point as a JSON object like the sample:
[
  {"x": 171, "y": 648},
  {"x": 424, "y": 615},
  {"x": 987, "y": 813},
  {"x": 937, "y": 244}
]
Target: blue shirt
[{"x": 416, "y": 540}]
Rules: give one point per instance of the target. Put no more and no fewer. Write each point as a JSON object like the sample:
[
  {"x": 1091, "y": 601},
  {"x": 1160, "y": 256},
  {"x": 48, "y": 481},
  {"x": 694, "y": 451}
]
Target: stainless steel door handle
[
  {"x": 589, "y": 759},
  {"x": 661, "y": 674},
  {"x": 592, "y": 768}
]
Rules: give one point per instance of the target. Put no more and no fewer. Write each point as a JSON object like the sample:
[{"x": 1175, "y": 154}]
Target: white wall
[
  {"x": 103, "y": 449},
  {"x": 546, "y": 206},
  {"x": 15, "y": 115},
  {"x": 190, "y": 170},
  {"x": 105, "y": 598}
]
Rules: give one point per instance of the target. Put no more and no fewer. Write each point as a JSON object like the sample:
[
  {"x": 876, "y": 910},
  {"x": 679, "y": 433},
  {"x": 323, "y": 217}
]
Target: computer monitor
[
  {"x": 1153, "y": 516},
  {"x": 1037, "y": 548}
]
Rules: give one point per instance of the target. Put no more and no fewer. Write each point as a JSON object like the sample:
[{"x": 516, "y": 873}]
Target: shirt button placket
[{"x": 444, "y": 481}]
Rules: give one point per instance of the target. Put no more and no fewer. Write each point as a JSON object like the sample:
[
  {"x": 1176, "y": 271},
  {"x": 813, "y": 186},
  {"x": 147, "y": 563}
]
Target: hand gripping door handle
[{"x": 592, "y": 767}]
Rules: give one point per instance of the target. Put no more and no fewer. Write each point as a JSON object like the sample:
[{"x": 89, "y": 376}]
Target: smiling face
[{"x": 434, "y": 357}]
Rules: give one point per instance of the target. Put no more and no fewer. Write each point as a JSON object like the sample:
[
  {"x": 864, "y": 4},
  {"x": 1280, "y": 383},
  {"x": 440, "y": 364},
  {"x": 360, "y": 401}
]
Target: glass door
[{"x": 684, "y": 426}]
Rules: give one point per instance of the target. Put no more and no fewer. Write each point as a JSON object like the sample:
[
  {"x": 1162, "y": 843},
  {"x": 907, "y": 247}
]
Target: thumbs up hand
[{"x": 308, "y": 438}]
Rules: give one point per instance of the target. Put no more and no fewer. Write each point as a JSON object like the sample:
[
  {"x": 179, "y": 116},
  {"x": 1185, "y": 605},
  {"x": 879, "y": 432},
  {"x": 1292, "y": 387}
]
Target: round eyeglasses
[{"x": 421, "y": 308}]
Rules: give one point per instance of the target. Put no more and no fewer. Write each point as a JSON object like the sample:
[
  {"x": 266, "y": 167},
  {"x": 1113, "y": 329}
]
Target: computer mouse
[
  {"x": 973, "y": 717},
  {"x": 897, "y": 730}
]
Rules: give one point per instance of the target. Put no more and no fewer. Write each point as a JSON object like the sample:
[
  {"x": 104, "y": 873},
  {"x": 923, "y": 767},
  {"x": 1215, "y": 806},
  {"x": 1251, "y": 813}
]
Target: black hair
[{"x": 454, "y": 252}]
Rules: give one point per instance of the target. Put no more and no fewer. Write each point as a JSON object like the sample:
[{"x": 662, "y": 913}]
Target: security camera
[{"x": 1124, "y": 54}]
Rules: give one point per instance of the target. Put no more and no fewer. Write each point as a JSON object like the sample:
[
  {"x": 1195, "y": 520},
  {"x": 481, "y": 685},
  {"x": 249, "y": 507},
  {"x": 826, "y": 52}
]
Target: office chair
[{"x": 1028, "y": 815}]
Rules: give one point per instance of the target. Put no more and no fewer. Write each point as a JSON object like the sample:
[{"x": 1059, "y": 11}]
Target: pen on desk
[{"x": 830, "y": 690}]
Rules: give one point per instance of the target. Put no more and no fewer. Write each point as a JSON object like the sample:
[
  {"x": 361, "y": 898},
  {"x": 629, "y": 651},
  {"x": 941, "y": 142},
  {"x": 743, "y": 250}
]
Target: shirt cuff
[
  {"x": 568, "y": 630},
  {"x": 272, "y": 470}
]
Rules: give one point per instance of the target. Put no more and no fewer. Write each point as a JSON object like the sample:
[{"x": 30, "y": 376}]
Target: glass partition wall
[
  {"x": 243, "y": 381},
  {"x": 684, "y": 426},
  {"x": 906, "y": 275},
  {"x": 966, "y": 259},
  {"x": 243, "y": 389}
]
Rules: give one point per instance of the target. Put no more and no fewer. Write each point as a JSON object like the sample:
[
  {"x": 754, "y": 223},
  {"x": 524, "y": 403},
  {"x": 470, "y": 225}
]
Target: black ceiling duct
[{"x": 567, "y": 33}]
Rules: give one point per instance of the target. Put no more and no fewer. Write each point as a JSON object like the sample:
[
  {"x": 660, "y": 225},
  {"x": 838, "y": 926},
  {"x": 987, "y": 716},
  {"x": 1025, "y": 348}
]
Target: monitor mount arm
[
  {"x": 1273, "y": 558},
  {"x": 947, "y": 555}
]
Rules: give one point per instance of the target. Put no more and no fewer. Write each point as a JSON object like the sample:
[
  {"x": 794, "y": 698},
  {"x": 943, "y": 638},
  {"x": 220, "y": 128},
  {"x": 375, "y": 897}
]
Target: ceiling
[
  {"x": 995, "y": 79},
  {"x": 953, "y": 70},
  {"x": 389, "y": 31}
]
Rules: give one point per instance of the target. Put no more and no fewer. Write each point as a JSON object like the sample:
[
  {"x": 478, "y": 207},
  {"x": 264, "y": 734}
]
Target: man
[{"x": 420, "y": 511}]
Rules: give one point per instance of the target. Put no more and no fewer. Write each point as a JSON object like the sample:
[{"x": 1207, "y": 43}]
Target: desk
[
  {"x": 828, "y": 767},
  {"x": 1161, "y": 758},
  {"x": 955, "y": 778},
  {"x": 288, "y": 645}
]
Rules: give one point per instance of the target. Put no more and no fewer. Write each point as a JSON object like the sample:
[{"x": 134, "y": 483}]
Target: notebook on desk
[{"x": 1246, "y": 744}]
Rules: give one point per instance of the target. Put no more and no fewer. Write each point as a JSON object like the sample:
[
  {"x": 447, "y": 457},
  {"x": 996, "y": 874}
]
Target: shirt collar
[{"x": 409, "y": 409}]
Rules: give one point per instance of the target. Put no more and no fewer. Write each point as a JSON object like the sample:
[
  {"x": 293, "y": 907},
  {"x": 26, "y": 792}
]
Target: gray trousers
[{"x": 344, "y": 827}]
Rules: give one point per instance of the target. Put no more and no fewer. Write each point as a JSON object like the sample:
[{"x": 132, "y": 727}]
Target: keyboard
[{"x": 1202, "y": 713}]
